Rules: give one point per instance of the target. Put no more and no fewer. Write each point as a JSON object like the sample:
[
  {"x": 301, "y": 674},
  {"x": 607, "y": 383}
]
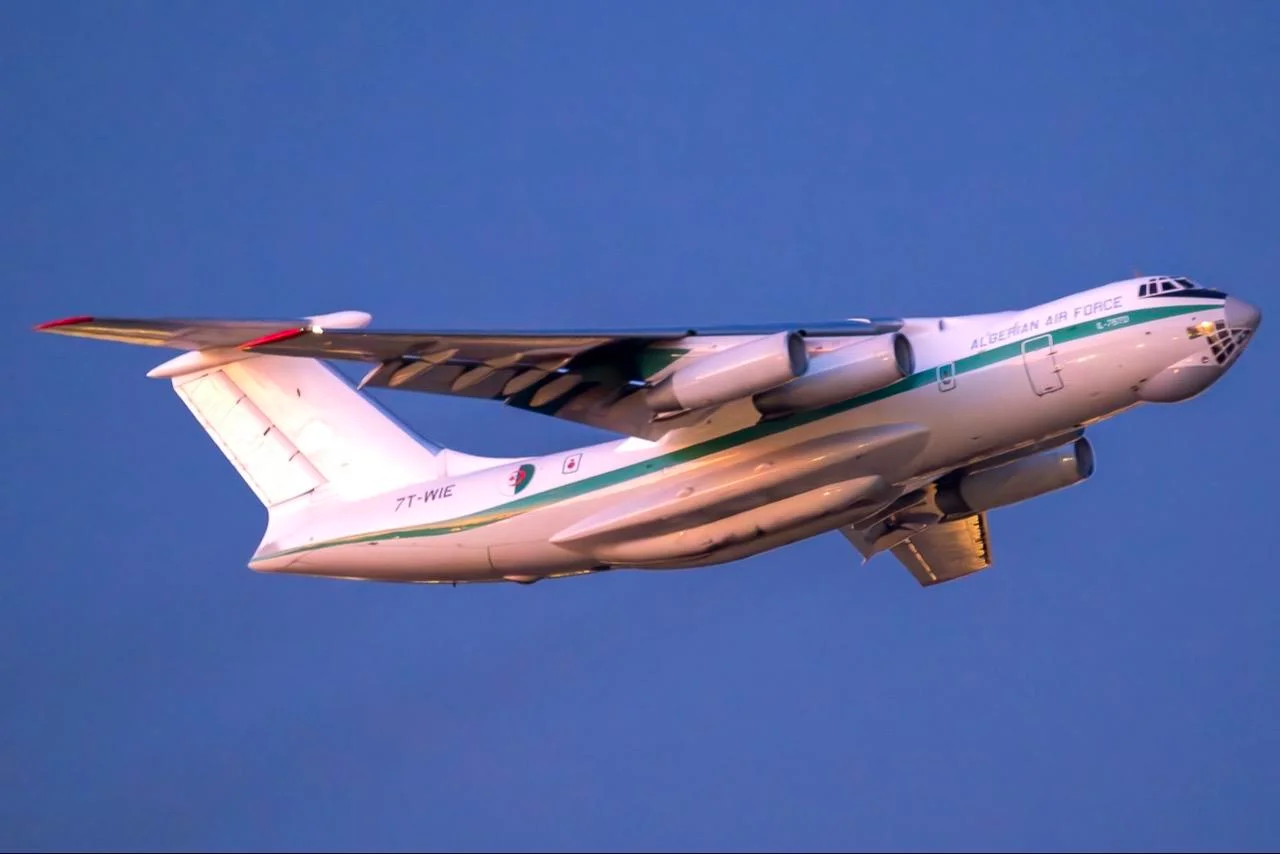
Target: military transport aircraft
[{"x": 900, "y": 433}]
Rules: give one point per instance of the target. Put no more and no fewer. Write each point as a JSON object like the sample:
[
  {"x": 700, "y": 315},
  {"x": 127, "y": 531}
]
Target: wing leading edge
[{"x": 590, "y": 376}]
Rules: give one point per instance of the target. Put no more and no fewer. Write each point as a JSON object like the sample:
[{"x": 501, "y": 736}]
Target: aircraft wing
[
  {"x": 939, "y": 552},
  {"x": 586, "y": 375}
]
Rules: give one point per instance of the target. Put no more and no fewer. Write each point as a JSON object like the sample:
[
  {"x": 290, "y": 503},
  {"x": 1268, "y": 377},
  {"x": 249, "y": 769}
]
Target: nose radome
[{"x": 1242, "y": 315}]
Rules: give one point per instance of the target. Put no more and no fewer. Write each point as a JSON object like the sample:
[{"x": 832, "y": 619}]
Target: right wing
[
  {"x": 590, "y": 376},
  {"x": 938, "y": 552},
  {"x": 931, "y": 545}
]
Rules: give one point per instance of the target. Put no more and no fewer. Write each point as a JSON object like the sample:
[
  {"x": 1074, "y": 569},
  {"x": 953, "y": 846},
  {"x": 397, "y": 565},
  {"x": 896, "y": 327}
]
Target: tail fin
[
  {"x": 291, "y": 426},
  {"x": 294, "y": 426}
]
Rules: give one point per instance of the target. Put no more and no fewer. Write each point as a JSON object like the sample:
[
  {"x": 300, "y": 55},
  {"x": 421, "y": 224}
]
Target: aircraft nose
[{"x": 1242, "y": 315}]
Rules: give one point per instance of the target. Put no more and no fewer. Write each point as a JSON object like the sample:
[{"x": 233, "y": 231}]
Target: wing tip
[{"x": 63, "y": 321}]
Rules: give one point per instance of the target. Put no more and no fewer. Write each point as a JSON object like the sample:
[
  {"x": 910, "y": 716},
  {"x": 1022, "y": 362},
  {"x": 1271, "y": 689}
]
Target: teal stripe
[{"x": 920, "y": 379}]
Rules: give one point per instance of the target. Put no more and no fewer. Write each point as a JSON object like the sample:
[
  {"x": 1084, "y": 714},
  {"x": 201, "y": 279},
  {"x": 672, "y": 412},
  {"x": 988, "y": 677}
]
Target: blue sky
[{"x": 1112, "y": 683}]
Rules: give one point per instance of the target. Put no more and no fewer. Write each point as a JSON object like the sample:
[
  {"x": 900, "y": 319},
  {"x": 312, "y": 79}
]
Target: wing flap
[
  {"x": 947, "y": 551},
  {"x": 939, "y": 552}
]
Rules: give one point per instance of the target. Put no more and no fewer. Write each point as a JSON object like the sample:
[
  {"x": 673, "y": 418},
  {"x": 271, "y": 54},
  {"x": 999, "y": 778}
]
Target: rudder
[{"x": 293, "y": 427}]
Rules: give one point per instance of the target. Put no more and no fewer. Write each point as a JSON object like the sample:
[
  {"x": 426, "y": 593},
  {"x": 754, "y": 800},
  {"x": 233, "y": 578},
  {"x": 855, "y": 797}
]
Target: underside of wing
[
  {"x": 939, "y": 552},
  {"x": 940, "y": 535},
  {"x": 947, "y": 551},
  {"x": 179, "y": 334},
  {"x": 592, "y": 376}
]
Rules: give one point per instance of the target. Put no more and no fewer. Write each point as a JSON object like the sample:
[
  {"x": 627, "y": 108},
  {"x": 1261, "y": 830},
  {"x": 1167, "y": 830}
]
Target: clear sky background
[{"x": 1111, "y": 683}]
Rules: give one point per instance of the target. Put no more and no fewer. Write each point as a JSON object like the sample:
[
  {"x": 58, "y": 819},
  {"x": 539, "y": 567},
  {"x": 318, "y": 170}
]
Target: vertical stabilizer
[{"x": 293, "y": 427}]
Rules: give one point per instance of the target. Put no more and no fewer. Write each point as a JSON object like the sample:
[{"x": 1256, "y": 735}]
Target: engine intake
[
  {"x": 850, "y": 371},
  {"x": 740, "y": 371},
  {"x": 1029, "y": 477}
]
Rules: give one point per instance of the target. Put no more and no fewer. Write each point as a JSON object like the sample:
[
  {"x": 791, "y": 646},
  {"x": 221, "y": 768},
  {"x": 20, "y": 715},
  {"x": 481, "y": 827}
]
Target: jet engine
[
  {"x": 847, "y": 372},
  {"x": 740, "y": 371},
  {"x": 1028, "y": 477}
]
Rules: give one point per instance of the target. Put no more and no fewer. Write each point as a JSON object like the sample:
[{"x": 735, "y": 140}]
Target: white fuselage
[{"x": 982, "y": 385}]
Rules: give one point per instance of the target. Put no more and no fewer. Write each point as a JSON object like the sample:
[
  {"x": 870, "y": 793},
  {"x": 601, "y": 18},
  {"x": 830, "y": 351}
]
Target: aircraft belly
[
  {"x": 408, "y": 559},
  {"x": 739, "y": 528},
  {"x": 768, "y": 540},
  {"x": 536, "y": 557}
]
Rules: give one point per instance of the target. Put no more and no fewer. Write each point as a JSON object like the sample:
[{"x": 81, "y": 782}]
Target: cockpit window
[{"x": 1164, "y": 286}]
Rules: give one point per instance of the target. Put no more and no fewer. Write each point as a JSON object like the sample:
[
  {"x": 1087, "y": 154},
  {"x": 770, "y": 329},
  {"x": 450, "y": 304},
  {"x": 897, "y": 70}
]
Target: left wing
[
  {"x": 938, "y": 552},
  {"x": 590, "y": 376}
]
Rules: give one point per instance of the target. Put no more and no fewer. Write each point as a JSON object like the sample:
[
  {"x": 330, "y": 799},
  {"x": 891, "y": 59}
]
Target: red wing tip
[
  {"x": 65, "y": 321},
  {"x": 272, "y": 338}
]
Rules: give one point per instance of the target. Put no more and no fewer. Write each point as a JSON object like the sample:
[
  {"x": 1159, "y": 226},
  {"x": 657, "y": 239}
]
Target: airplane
[{"x": 903, "y": 434}]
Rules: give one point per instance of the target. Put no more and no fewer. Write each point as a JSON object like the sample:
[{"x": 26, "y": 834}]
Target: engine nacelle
[
  {"x": 850, "y": 371},
  {"x": 1029, "y": 477},
  {"x": 740, "y": 371}
]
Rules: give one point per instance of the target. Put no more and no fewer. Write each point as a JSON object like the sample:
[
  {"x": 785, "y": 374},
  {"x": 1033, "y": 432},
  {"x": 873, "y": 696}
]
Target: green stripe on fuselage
[{"x": 760, "y": 430}]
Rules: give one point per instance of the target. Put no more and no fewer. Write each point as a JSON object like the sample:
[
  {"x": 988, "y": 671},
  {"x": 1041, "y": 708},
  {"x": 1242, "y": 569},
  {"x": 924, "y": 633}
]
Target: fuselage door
[{"x": 1039, "y": 358}]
